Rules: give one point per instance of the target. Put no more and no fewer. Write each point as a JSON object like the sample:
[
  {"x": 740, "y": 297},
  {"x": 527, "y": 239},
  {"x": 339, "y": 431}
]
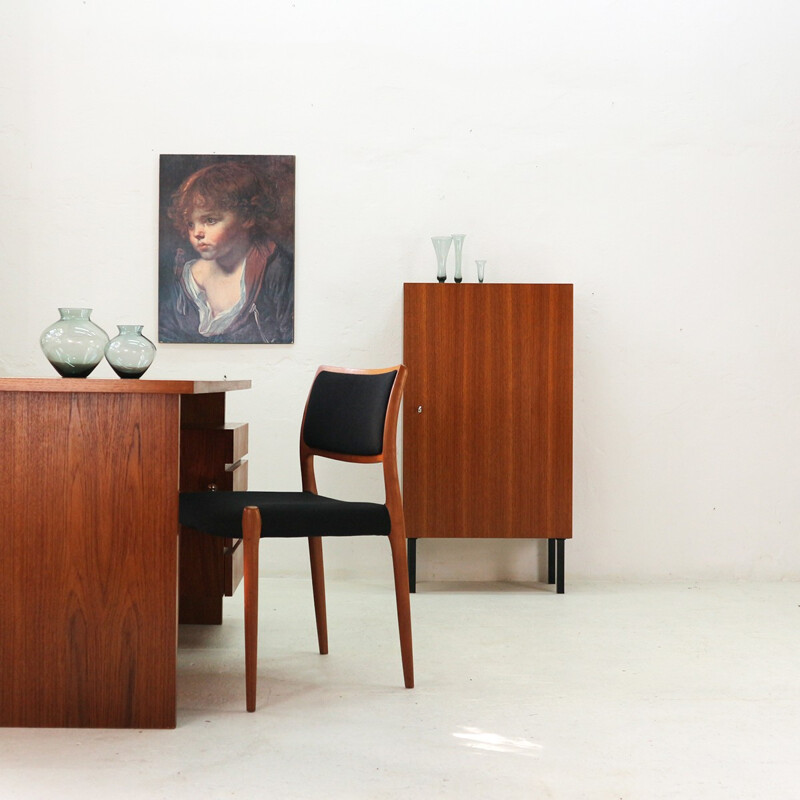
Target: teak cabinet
[{"x": 487, "y": 420}]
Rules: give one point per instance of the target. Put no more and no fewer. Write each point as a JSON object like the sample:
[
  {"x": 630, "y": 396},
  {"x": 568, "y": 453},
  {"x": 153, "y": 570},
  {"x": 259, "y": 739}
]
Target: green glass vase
[
  {"x": 129, "y": 352},
  {"x": 74, "y": 345}
]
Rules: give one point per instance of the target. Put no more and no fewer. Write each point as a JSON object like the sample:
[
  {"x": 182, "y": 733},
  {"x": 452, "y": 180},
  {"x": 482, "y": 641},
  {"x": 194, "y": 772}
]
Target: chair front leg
[
  {"x": 401, "y": 588},
  {"x": 251, "y": 535},
  {"x": 318, "y": 586}
]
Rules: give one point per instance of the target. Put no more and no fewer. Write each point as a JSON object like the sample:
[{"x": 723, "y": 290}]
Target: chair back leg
[
  {"x": 318, "y": 586},
  {"x": 251, "y": 538}
]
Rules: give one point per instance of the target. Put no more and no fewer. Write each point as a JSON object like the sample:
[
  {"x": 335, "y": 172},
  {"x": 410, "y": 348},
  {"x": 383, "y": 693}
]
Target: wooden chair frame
[{"x": 251, "y": 532}]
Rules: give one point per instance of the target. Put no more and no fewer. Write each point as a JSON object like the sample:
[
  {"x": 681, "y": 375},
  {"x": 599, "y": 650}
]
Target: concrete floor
[{"x": 637, "y": 691}]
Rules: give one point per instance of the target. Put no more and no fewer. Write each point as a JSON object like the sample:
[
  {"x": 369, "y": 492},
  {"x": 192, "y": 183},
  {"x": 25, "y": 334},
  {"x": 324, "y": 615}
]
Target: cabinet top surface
[
  {"x": 119, "y": 386},
  {"x": 459, "y": 286}
]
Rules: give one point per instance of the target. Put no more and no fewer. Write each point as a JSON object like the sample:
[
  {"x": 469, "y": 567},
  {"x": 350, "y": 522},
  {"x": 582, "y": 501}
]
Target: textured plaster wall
[{"x": 647, "y": 152}]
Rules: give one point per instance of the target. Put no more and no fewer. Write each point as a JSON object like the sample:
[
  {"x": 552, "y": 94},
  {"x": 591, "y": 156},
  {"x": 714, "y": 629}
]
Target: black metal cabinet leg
[
  {"x": 551, "y": 560},
  {"x": 559, "y": 566},
  {"x": 555, "y": 563},
  {"x": 412, "y": 565}
]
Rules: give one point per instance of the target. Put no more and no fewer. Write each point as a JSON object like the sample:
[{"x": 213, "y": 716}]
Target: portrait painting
[{"x": 226, "y": 249}]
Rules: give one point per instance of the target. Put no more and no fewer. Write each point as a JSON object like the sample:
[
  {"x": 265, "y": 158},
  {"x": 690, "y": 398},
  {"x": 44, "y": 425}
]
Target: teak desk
[{"x": 89, "y": 588}]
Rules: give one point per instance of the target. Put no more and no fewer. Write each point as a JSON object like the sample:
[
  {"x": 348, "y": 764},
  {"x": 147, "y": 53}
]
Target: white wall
[{"x": 647, "y": 152}]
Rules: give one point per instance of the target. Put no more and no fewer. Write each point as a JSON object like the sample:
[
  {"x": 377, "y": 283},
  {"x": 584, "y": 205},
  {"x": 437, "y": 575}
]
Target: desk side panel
[{"x": 88, "y": 620}]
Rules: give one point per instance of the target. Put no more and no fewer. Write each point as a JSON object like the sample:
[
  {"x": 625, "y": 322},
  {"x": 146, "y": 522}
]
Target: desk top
[{"x": 118, "y": 385}]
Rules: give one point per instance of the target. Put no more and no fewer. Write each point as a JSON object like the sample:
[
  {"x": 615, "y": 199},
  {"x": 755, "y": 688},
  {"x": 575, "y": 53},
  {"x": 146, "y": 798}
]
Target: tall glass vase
[
  {"x": 74, "y": 345},
  {"x": 441, "y": 244},
  {"x": 458, "y": 244},
  {"x": 129, "y": 352}
]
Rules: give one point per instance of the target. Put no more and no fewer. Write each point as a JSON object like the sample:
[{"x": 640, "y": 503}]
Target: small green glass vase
[
  {"x": 129, "y": 352},
  {"x": 74, "y": 345}
]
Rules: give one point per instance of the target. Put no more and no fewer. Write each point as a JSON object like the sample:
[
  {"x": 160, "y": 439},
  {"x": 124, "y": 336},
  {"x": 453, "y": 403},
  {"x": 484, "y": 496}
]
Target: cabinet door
[{"x": 487, "y": 423}]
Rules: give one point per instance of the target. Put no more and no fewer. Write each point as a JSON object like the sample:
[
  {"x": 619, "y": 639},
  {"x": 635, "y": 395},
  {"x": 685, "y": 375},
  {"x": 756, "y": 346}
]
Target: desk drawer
[{"x": 212, "y": 456}]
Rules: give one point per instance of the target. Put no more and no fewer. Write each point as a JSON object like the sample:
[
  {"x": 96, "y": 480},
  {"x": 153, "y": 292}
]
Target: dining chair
[{"x": 350, "y": 415}]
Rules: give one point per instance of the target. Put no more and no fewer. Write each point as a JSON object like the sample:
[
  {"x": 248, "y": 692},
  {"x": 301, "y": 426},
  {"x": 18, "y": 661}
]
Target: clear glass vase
[
  {"x": 74, "y": 345},
  {"x": 458, "y": 244},
  {"x": 441, "y": 244},
  {"x": 130, "y": 353}
]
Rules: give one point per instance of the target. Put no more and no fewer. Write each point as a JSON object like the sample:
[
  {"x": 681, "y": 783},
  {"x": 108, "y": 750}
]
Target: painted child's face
[{"x": 217, "y": 234}]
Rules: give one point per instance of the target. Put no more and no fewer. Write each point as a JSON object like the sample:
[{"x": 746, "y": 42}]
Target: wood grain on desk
[{"x": 88, "y": 597}]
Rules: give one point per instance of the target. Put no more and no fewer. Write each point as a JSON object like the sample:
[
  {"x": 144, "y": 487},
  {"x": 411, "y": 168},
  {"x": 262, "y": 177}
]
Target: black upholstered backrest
[{"x": 346, "y": 412}]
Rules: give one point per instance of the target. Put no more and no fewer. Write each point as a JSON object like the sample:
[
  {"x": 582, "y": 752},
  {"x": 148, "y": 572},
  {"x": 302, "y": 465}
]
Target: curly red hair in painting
[{"x": 228, "y": 186}]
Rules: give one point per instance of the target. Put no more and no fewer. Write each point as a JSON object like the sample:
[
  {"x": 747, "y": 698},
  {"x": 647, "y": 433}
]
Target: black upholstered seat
[
  {"x": 283, "y": 514},
  {"x": 350, "y": 415}
]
